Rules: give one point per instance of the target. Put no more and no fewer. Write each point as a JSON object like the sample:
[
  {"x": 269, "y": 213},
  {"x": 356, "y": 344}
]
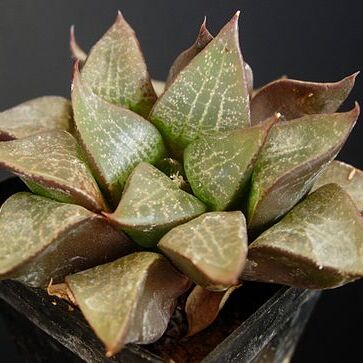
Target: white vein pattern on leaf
[
  {"x": 194, "y": 119},
  {"x": 285, "y": 150},
  {"x": 209, "y": 169},
  {"x": 97, "y": 292},
  {"x": 41, "y": 221},
  {"x": 117, "y": 139},
  {"x": 62, "y": 163},
  {"x": 323, "y": 230},
  {"x": 209, "y": 173},
  {"x": 44, "y": 113},
  {"x": 215, "y": 241},
  {"x": 115, "y": 68},
  {"x": 339, "y": 173},
  {"x": 156, "y": 199}
]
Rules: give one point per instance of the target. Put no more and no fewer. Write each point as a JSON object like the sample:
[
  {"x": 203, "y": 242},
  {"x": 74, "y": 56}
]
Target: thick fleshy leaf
[
  {"x": 203, "y": 306},
  {"x": 52, "y": 165},
  {"x": 183, "y": 59},
  {"x": 114, "y": 138},
  {"x": 159, "y": 87},
  {"x": 318, "y": 245},
  {"x": 210, "y": 249},
  {"x": 116, "y": 71},
  {"x": 41, "y": 239},
  {"x": 346, "y": 176},
  {"x": 130, "y": 300},
  {"x": 292, "y": 157},
  {"x": 35, "y": 116},
  {"x": 219, "y": 167},
  {"x": 152, "y": 204},
  {"x": 294, "y": 99},
  {"x": 77, "y": 52},
  {"x": 209, "y": 95}
]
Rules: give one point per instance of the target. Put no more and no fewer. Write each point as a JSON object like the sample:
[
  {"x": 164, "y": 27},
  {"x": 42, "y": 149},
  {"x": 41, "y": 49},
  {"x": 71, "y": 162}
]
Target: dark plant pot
[{"x": 260, "y": 323}]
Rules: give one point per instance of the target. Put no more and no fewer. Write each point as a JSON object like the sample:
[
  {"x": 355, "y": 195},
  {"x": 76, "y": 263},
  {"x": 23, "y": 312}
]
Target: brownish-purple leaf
[
  {"x": 183, "y": 59},
  {"x": 346, "y": 176},
  {"x": 291, "y": 159},
  {"x": 129, "y": 300},
  {"x": 294, "y": 99},
  {"x": 203, "y": 306},
  {"x": 41, "y": 239},
  {"x": 318, "y": 245},
  {"x": 35, "y": 116},
  {"x": 52, "y": 165},
  {"x": 210, "y": 249}
]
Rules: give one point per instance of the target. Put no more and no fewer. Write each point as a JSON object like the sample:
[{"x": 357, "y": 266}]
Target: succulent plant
[{"x": 141, "y": 196}]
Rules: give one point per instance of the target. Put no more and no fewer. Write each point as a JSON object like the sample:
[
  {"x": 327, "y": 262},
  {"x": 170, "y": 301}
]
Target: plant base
[{"x": 268, "y": 335}]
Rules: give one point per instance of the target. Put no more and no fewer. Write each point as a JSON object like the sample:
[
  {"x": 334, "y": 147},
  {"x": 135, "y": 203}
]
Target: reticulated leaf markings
[
  {"x": 210, "y": 94},
  {"x": 34, "y": 116},
  {"x": 116, "y": 71},
  {"x": 317, "y": 245},
  {"x": 219, "y": 166},
  {"x": 115, "y": 139},
  {"x": 129, "y": 300},
  {"x": 291, "y": 159},
  {"x": 210, "y": 249},
  {"x": 53, "y": 164},
  {"x": 42, "y": 239},
  {"x": 152, "y": 204}
]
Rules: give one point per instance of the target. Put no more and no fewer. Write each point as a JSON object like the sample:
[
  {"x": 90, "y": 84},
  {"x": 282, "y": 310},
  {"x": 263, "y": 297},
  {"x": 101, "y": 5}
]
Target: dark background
[{"x": 311, "y": 40}]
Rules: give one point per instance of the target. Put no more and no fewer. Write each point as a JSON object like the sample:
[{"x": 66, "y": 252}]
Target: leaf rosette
[{"x": 142, "y": 188}]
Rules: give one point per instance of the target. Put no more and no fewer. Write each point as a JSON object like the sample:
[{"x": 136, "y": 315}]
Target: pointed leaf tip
[
  {"x": 204, "y": 37},
  {"x": 294, "y": 99},
  {"x": 204, "y": 24},
  {"x": 356, "y": 110},
  {"x": 116, "y": 70},
  {"x": 232, "y": 27},
  {"x": 77, "y": 52},
  {"x": 119, "y": 16},
  {"x": 293, "y": 156},
  {"x": 208, "y": 96},
  {"x": 71, "y": 33},
  {"x": 184, "y": 58},
  {"x": 204, "y": 34}
]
